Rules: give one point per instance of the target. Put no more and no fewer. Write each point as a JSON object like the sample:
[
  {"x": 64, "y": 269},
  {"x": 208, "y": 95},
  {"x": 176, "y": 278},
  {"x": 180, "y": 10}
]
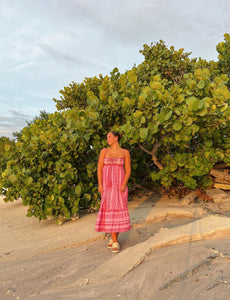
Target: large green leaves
[{"x": 194, "y": 104}]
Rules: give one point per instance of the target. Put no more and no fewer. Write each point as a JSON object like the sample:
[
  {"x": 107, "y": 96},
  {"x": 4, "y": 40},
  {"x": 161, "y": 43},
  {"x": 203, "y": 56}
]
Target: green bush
[
  {"x": 173, "y": 111},
  {"x": 53, "y": 164}
]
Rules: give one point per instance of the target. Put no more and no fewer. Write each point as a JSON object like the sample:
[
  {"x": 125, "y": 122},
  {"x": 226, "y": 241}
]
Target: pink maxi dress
[{"x": 113, "y": 214}]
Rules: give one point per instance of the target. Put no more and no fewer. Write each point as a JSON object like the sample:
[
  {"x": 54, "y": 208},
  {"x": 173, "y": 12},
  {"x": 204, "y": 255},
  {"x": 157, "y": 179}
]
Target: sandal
[
  {"x": 115, "y": 247},
  {"x": 110, "y": 244}
]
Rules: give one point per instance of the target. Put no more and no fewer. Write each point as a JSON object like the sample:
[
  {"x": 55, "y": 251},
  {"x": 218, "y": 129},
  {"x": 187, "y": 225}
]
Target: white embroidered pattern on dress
[{"x": 114, "y": 161}]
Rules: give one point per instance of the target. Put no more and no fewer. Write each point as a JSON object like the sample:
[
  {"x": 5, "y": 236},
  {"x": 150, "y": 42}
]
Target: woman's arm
[
  {"x": 127, "y": 170},
  {"x": 99, "y": 170}
]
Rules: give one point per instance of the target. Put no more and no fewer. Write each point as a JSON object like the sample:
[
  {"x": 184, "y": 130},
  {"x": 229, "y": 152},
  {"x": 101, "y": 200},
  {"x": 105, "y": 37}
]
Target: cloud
[
  {"x": 18, "y": 114},
  {"x": 58, "y": 55},
  {"x": 7, "y": 131},
  {"x": 131, "y": 23},
  {"x": 15, "y": 118},
  {"x": 13, "y": 122},
  {"x": 22, "y": 65}
]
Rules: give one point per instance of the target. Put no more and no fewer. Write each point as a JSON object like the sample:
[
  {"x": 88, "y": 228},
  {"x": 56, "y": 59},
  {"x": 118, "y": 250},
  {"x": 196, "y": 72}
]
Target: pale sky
[{"x": 47, "y": 44}]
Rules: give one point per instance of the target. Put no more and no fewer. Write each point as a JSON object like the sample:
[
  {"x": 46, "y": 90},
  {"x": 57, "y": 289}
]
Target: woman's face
[{"x": 111, "y": 138}]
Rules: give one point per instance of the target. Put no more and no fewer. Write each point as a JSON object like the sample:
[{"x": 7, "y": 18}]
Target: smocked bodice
[{"x": 114, "y": 161}]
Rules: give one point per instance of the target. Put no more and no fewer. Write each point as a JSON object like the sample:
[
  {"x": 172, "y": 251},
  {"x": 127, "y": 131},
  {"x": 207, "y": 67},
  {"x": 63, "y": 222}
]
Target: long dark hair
[{"x": 118, "y": 134}]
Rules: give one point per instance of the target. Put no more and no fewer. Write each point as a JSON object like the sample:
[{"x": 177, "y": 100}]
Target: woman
[{"x": 114, "y": 169}]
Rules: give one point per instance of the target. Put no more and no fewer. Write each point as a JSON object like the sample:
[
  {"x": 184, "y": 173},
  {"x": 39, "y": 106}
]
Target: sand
[{"x": 172, "y": 252}]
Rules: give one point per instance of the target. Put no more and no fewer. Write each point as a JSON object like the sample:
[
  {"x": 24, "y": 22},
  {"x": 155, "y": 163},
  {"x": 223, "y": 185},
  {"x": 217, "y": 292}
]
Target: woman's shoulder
[
  {"x": 125, "y": 151},
  {"x": 103, "y": 151}
]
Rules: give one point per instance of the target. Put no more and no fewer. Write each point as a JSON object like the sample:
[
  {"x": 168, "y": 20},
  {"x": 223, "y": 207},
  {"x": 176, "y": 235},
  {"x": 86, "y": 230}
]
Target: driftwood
[
  {"x": 189, "y": 198},
  {"x": 221, "y": 175},
  {"x": 218, "y": 196},
  {"x": 222, "y": 186},
  {"x": 222, "y": 179},
  {"x": 218, "y": 180}
]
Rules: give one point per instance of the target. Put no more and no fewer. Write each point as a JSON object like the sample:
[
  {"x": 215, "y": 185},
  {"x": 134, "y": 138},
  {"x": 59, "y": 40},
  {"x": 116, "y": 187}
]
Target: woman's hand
[
  {"x": 123, "y": 188},
  {"x": 100, "y": 189}
]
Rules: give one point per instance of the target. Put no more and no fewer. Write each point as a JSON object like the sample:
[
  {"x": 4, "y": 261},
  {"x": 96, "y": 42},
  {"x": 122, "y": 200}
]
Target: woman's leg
[
  {"x": 115, "y": 236},
  {"x": 115, "y": 246}
]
